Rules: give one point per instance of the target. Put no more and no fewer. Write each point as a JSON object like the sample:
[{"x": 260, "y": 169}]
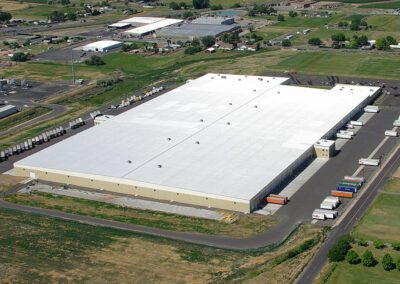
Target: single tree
[
  {"x": 352, "y": 257},
  {"x": 378, "y": 244},
  {"x": 315, "y": 41},
  {"x": 174, "y": 6},
  {"x": 368, "y": 259},
  {"x": 396, "y": 246},
  {"x": 201, "y": 4},
  {"x": 387, "y": 262},
  {"x": 195, "y": 42},
  {"x": 5, "y": 16},
  {"x": 286, "y": 43},
  {"x": 19, "y": 57},
  {"x": 281, "y": 18},
  {"x": 95, "y": 60},
  {"x": 292, "y": 14},
  {"x": 362, "y": 242},
  {"x": 208, "y": 41},
  {"x": 391, "y": 40},
  {"x": 382, "y": 44}
]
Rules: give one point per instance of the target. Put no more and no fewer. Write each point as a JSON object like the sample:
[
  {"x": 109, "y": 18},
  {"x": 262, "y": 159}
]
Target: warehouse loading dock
[{"x": 220, "y": 141}]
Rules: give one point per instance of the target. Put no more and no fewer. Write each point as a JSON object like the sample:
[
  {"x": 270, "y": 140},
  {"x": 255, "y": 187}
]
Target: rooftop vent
[
  {"x": 260, "y": 79},
  {"x": 197, "y": 142},
  {"x": 169, "y": 139},
  {"x": 129, "y": 162},
  {"x": 228, "y": 123},
  {"x": 230, "y": 104},
  {"x": 254, "y": 90},
  {"x": 255, "y": 106},
  {"x": 160, "y": 166},
  {"x": 223, "y": 77},
  {"x": 201, "y": 120}
]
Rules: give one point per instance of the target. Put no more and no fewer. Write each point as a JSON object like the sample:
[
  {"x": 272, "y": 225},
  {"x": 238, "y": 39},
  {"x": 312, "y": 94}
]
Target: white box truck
[
  {"x": 396, "y": 123},
  {"x": 327, "y": 205},
  {"x": 348, "y": 132},
  {"x": 318, "y": 215},
  {"x": 329, "y": 214},
  {"x": 343, "y": 136},
  {"x": 371, "y": 109},
  {"x": 391, "y": 133}
]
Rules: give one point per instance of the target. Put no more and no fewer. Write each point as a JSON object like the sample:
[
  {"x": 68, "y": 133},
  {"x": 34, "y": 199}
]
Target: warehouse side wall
[{"x": 147, "y": 192}]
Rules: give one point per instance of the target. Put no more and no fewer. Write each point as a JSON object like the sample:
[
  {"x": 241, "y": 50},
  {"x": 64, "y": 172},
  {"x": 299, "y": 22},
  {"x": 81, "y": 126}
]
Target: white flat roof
[
  {"x": 142, "y": 20},
  {"x": 152, "y": 27},
  {"x": 214, "y": 136},
  {"x": 102, "y": 44},
  {"x": 119, "y": 25}
]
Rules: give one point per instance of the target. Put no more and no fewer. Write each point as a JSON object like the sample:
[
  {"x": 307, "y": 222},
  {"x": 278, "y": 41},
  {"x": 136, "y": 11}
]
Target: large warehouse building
[{"x": 220, "y": 141}]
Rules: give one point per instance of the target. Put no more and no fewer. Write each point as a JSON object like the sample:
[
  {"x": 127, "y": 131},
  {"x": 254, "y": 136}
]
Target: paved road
[{"x": 353, "y": 216}]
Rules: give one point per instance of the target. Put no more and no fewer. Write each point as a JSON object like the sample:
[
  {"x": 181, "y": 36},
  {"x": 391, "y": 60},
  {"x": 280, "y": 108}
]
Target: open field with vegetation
[
  {"x": 244, "y": 226},
  {"x": 22, "y": 116},
  {"x": 309, "y": 22},
  {"x": 39, "y": 249},
  {"x": 393, "y": 185},
  {"x": 382, "y": 216},
  {"x": 41, "y": 11},
  {"x": 344, "y": 272},
  {"x": 383, "y": 5}
]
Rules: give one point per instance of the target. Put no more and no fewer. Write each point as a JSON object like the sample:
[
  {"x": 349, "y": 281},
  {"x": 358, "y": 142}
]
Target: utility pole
[{"x": 72, "y": 67}]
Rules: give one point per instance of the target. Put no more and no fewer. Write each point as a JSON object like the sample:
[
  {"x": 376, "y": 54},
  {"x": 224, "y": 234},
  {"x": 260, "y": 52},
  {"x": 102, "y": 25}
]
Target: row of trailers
[
  {"x": 346, "y": 188},
  {"x": 31, "y": 143}
]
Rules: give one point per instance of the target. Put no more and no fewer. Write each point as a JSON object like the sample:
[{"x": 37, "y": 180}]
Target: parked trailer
[
  {"x": 348, "y": 132},
  {"x": 279, "y": 196},
  {"x": 396, "y": 123},
  {"x": 343, "y": 136},
  {"x": 318, "y": 215},
  {"x": 333, "y": 199},
  {"x": 356, "y": 123},
  {"x": 346, "y": 188},
  {"x": 329, "y": 214},
  {"x": 369, "y": 162},
  {"x": 3, "y": 156},
  {"x": 349, "y": 126},
  {"x": 355, "y": 184},
  {"x": 371, "y": 109},
  {"x": 275, "y": 200},
  {"x": 354, "y": 179},
  {"x": 391, "y": 133},
  {"x": 327, "y": 205},
  {"x": 342, "y": 194}
]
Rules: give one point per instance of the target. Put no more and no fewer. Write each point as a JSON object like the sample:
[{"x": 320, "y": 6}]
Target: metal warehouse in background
[{"x": 221, "y": 141}]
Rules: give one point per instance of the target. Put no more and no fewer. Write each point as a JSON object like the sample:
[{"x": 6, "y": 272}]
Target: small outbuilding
[{"x": 102, "y": 46}]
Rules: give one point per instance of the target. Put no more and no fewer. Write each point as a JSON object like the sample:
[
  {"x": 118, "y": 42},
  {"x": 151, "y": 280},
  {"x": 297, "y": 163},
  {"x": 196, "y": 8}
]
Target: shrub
[
  {"x": 281, "y": 18},
  {"x": 398, "y": 263},
  {"x": 368, "y": 259},
  {"x": 286, "y": 43},
  {"x": 362, "y": 242},
  {"x": 387, "y": 262},
  {"x": 352, "y": 257},
  {"x": 95, "y": 60},
  {"x": 396, "y": 246},
  {"x": 5, "y": 16},
  {"x": 292, "y": 14},
  {"x": 379, "y": 244},
  {"x": 19, "y": 57},
  {"x": 192, "y": 50},
  {"x": 315, "y": 41}
]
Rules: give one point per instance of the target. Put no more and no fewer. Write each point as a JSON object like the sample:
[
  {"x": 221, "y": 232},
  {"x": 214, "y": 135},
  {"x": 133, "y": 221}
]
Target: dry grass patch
[{"x": 7, "y": 181}]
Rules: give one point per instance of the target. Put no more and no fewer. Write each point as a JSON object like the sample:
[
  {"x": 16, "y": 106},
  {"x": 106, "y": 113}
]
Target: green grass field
[
  {"x": 359, "y": 1},
  {"x": 382, "y": 220},
  {"x": 342, "y": 63},
  {"x": 245, "y": 226},
  {"x": 393, "y": 185},
  {"x": 41, "y": 11},
  {"x": 23, "y": 116},
  {"x": 359, "y": 274},
  {"x": 387, "y": 23},
  {"x": 308, "y": 22},
  {"x": 383, "y": 5}
]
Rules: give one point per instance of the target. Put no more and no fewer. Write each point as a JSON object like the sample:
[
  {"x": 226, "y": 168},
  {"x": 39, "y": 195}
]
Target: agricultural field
[
  {"x": 387, "y": 23},
  {"x": 40, "y": 249},
  {"x": 342, "y": 64},
  {"x": 382, "y": 216},
  {"x": 383, "y": 5},
  {"x": 243, "y": 226},
  {"x": 308, "y": 22},
  {"x": 38, "y": 12}
]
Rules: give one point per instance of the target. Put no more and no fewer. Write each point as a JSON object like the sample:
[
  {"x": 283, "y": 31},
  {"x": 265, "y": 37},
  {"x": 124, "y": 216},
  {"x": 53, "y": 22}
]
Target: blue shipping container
[{"x": 346, "y": 188}]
